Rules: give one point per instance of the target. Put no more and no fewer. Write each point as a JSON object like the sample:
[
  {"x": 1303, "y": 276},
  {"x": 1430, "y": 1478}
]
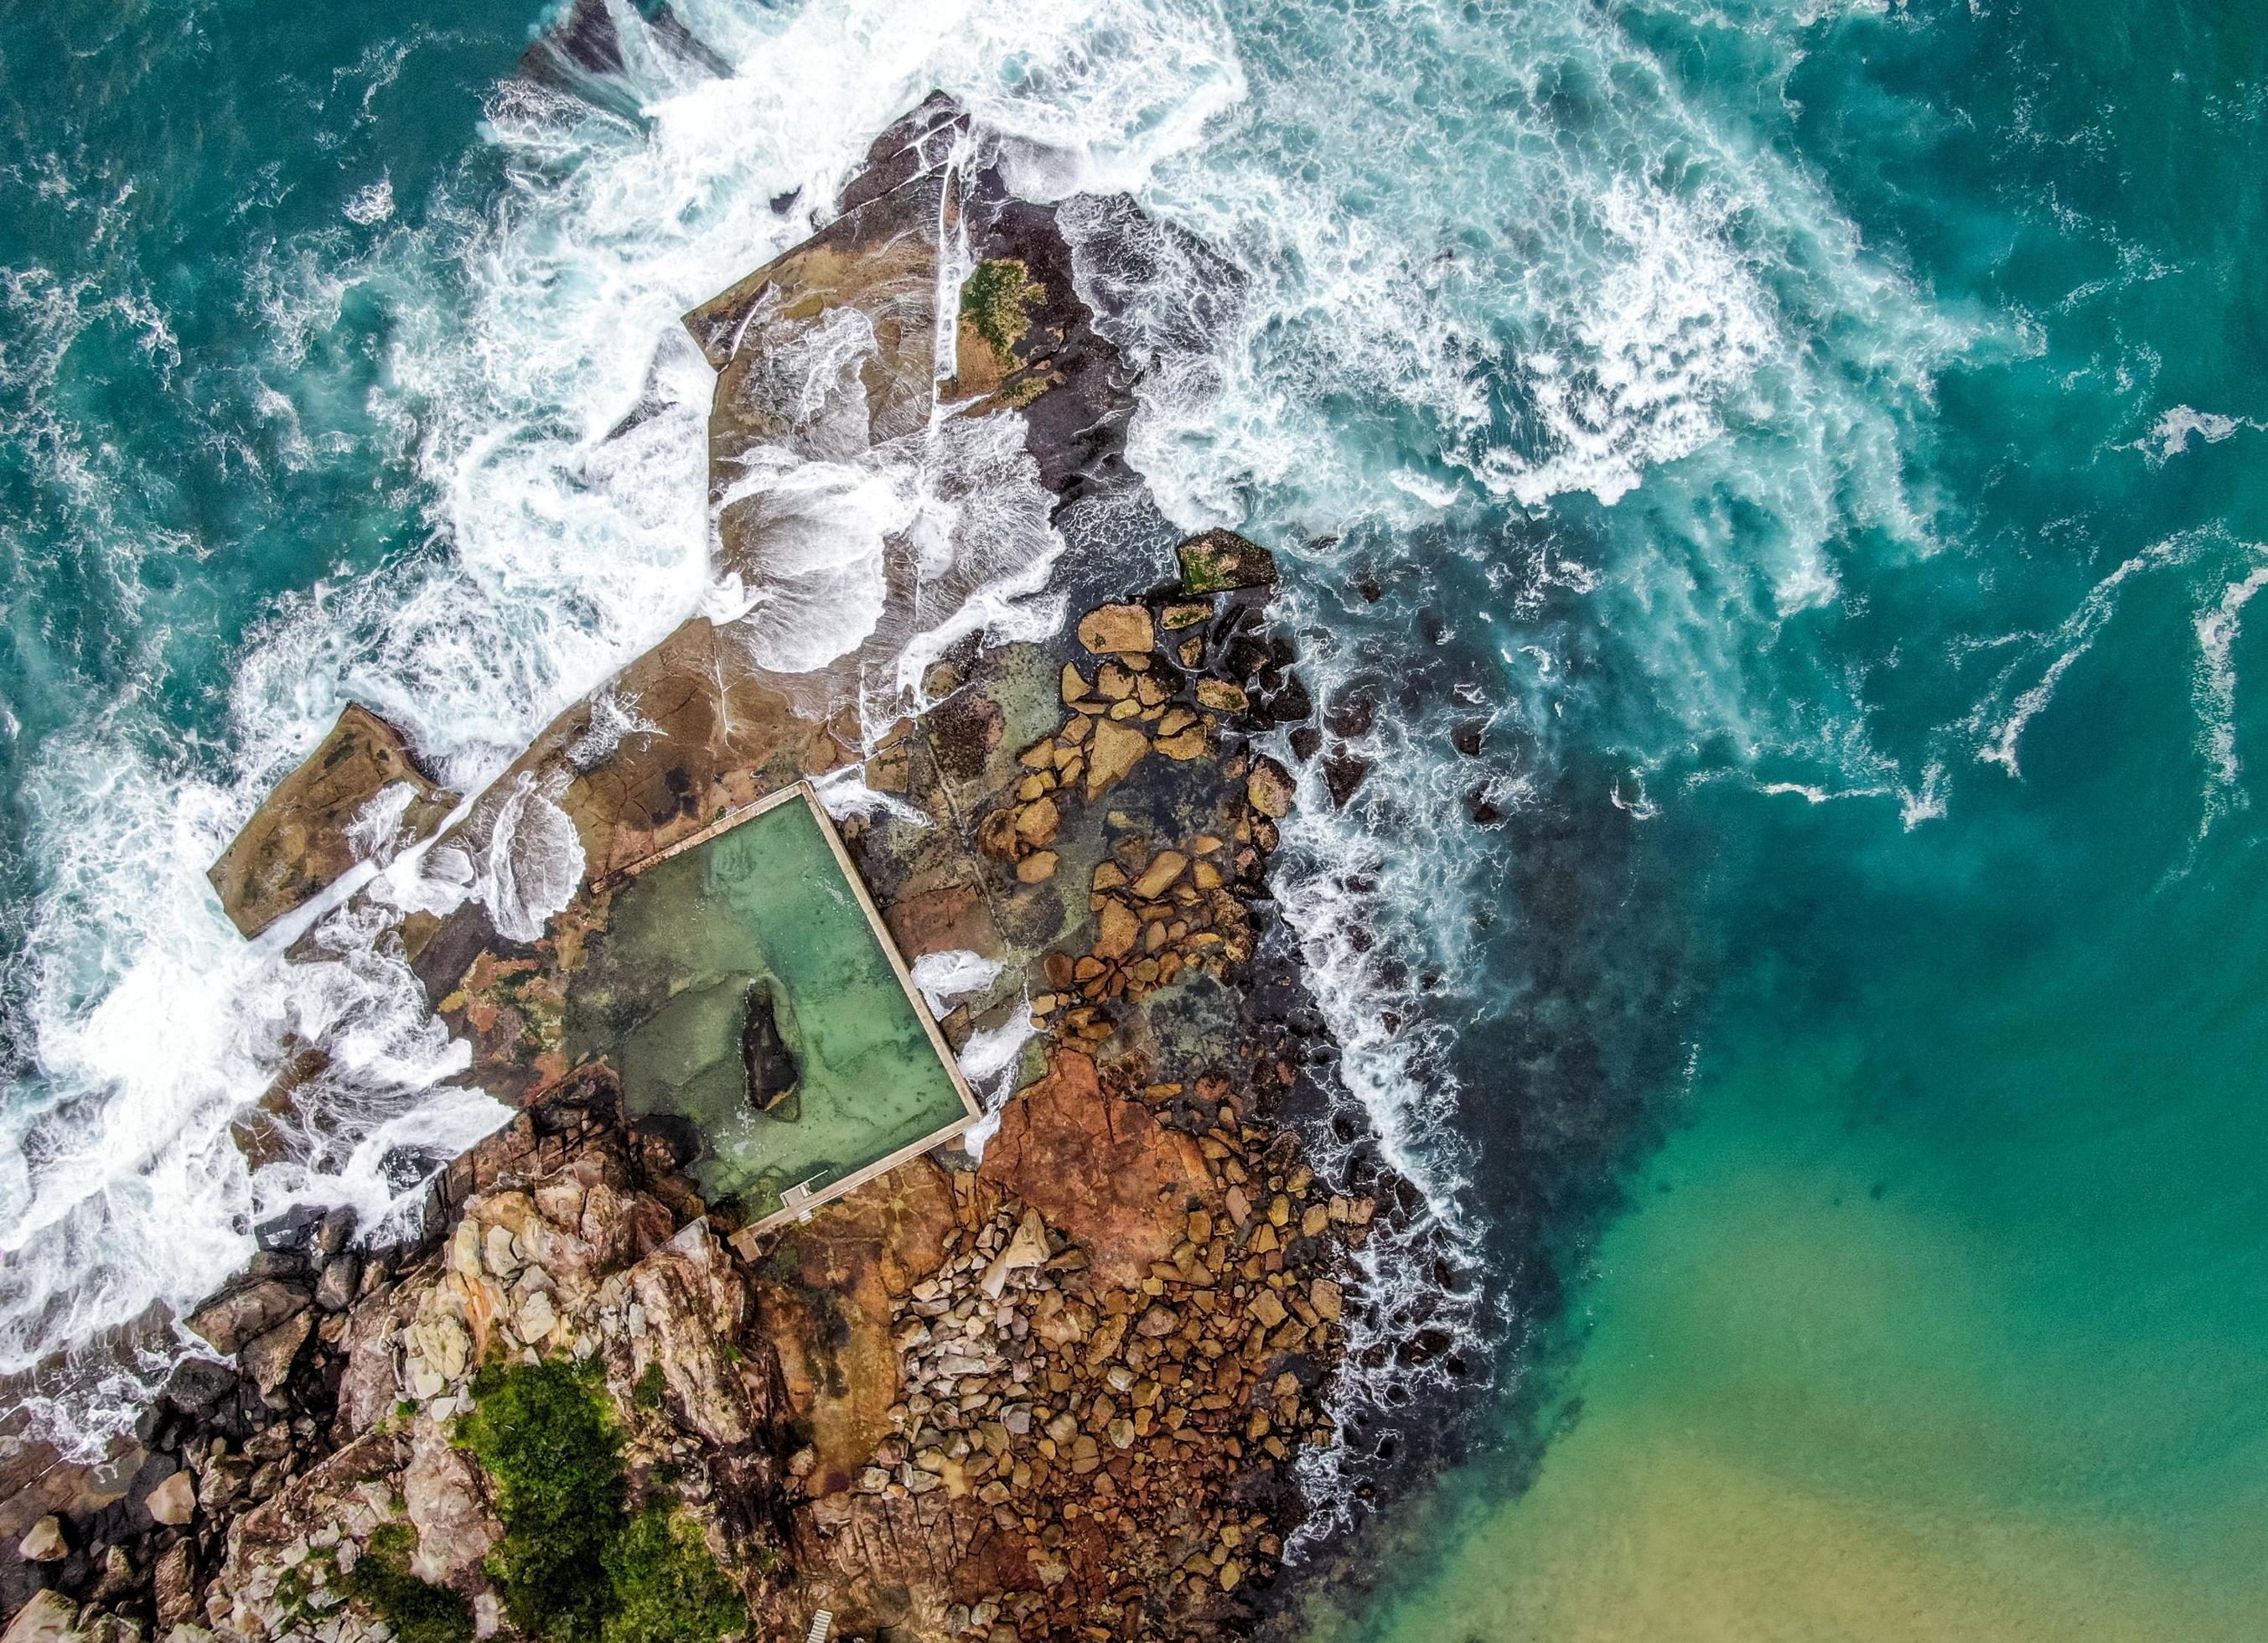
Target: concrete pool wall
[{"x": 759, "y": 928}]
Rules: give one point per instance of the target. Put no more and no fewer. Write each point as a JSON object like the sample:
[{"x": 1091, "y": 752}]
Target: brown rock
[
  {"x": 1323, "y": 1295},
  {"x": 268, "y": 1358},
  {"x": 1268, "y": 1308},
  {"x": 1118, "y": 628},
  {"x": 1158, "y": 876},
  {"x": 44, "y": 1542},
  {"x": 1186, "y": 615},
  {"x": 173, "y": 1583},
  {"x": 1221, "y": 696},
  {"x": 1116, "y": 930},
  {"x": 1270, "y": 789},
  {"x": 1038, "y": 822},
  {"x": 1184, "y": 745},
  {"x": 1074, "y": 683},
  {"x": 1101, "y": 1169},
  {"x": 234, "y": 1319},
  {"x": 1117, "y": 749},
  {"x": 298, "y": 841},
  {"x": 1036, "y": 868},
  {"x": 49, "y": 1618},
  {"x": 443, "y": 1494},
  {"x": 695, "y": 1303},
  {"x": 173, "y": 1501}
]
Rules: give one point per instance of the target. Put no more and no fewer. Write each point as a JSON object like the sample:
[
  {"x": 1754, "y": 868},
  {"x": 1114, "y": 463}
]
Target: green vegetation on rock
[
  {"x": 667, "y": 1587},
  {"x": 574, "y": 1565},
  {"x": 380, "y": 1581},
  {"x": 996, "y": 300}
]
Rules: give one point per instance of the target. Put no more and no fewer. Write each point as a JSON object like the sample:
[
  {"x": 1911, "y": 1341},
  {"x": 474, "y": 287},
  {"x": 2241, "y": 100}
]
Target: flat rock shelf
[{"x": 760, "y": 931}]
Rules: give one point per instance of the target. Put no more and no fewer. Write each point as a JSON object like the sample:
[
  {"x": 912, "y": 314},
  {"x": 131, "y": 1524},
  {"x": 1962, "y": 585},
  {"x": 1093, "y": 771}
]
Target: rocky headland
[{"x": 1072, "y": 1388}]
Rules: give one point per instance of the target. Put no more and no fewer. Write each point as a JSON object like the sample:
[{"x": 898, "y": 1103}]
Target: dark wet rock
[
  {"x": 338, "y": 1227},
  {"x": 918, "y": 143},
  {"x": 198, "y": 1384},
  {"x": 1344, "y": 772},
  {"x": 294, "y": 1229},
  {"x": 341, "y": 1281},
  {"x": 300, "y": 840},
  {"x": 772, "y": 1074},
  {"x": 1351, "y": 712},
  {"x": 1307, "y": 741},
  {"x": 1469, "y": 737},
  {"x": 1218, "y": 561}
]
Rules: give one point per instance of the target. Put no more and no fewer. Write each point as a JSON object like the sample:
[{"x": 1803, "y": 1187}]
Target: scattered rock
[
  {"x": 1270, "y": 789},
  {"x": 341, "y": 1277},
  {"x": 1117, "y": 749},
  {"x": 1121, "y": 628},
  {"x": 174, "y": 1501},
  {"x": 235, "y": 1318}
]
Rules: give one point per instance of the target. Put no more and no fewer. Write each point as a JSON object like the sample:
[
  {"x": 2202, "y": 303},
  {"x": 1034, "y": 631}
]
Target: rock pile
[
  {"x": 1132, "y": 1443},
  {"x": 1149, "y": 692}
]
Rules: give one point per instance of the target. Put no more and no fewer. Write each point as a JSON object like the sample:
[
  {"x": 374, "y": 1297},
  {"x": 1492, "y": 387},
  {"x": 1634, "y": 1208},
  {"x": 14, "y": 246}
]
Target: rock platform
[{"x": 1061, "y": 1391}]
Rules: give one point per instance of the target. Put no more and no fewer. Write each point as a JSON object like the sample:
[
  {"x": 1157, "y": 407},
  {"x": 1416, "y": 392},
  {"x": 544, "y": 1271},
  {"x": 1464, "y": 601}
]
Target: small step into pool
[{"x": 745, "y": 983}]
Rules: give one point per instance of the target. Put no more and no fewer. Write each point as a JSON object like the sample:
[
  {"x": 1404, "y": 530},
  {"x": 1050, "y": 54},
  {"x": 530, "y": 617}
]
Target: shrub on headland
[{"x": 574, "y": 1565}]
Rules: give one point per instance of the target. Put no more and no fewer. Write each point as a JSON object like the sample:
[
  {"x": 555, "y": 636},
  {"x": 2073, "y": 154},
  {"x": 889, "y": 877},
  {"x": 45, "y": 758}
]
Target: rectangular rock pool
[{"x": 744, "y": 984}]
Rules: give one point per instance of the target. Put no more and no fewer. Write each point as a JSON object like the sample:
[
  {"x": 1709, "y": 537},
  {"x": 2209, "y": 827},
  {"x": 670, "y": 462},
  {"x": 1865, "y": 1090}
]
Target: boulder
[
  {"x": 342, "y": 1276},
  {"x": 173, "y": 1583},
  {"x": 234, "y": 1318},
  {"x": 1117, "y": 748},
  {"x": 1270, "y": 789},
  {"x": 268, "y": 1358},
  {"x": 1124, "y": 629},
  {"x": 1101, "y": 1169},
  {"x": 307, "y": 833},
  {"x": 172, "y": 1502},
  {"x": 1218, "y": 561},
  {"x": 442, "y": 1497},
  {"x": 770, "y": 1072},
  {"x": 44, "y": 1542},
  {"x": 49, "y": 1618}
]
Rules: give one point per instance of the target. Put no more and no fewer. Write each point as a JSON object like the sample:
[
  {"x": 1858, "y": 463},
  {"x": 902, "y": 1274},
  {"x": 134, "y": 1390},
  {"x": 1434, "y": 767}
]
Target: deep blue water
[{"x": 1771, "y": 491}]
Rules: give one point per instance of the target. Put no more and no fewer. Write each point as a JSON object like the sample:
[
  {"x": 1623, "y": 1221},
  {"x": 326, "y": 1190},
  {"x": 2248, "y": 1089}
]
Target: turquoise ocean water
[{"x": 1772, "y": 493}]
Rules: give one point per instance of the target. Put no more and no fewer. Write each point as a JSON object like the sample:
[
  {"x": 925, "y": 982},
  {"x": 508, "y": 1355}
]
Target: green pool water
[{"x": 664, "y": 996}]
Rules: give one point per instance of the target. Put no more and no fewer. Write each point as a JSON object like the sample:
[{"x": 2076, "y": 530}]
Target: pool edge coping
[{"x": 970, "y": 1112}]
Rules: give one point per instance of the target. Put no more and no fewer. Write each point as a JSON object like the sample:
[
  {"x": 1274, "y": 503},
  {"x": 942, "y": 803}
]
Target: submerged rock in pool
[{"x": 773, "y": 1074}]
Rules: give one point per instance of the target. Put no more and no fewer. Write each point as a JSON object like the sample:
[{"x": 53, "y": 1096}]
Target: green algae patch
[
  {"x": 380, "y": 1581},
  {"x": 996, "y": 301},
  {"x": 749, "y": 964},
  {"x": 575, "y": 1566}
]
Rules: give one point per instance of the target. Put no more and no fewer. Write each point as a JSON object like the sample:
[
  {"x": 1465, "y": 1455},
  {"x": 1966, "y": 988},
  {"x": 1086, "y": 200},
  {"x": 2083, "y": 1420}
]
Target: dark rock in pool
[{"x": 773, "y": 1074}]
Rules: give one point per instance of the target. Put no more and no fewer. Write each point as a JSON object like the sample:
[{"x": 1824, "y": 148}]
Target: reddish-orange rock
[{"x": 1102, "y": 1169}]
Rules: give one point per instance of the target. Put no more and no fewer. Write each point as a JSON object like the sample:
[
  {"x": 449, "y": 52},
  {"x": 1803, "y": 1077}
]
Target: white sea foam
[
  {"x": 2214, "y": 690},
  {"x": 523, "y": 331},
  {"x": 2170, "y": 435},
  {"x": 944, "y": 978}
]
